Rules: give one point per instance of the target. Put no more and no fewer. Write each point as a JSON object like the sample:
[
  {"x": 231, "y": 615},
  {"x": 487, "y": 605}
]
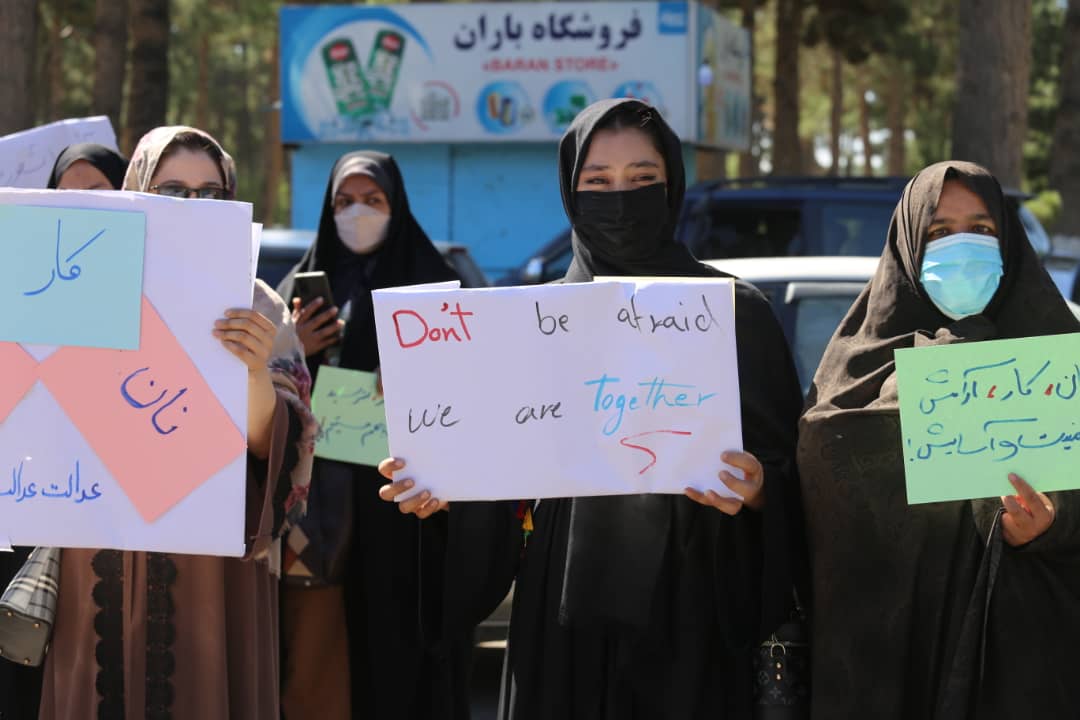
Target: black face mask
[{"x": 626, "y": 225}]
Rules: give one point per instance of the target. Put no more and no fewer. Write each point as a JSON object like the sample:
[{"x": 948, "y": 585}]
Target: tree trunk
[
  {"x": 836, "y": 120},
  {"x": 202, "y": 93},
  {"x": 43, "y": 101},
  {"x": 245, "y": 151},
  {"x": 18, "y": 33},
  {"x": 54, "y": 67},
  {"x": 864, "y": 131},
  {"x": 272, "y": 143},
  {"x": 748, "y": 160},
  {"x": 110, "y": 59},
  {"x": 711, "y": 164},
  {"x": 786, "y": 150},
  {"x": 993, "y": 65},
  {"x": 219, "y": 117},
  {"x": 148, "y": 101},
  {"x": 1065, "y": 157},
  {"x": 895, "y": 102}
]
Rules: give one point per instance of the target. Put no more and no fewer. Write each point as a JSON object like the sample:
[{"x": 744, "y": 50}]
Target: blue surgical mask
[{"x": 961, "y": 273}]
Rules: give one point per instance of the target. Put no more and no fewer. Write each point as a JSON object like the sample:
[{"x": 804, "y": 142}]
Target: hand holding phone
[{"x": 314, "y": 312}]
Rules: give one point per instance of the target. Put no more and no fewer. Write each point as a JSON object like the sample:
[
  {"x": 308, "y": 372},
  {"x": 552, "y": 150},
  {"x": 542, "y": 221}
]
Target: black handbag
[
  {"x": 782, "y": 672},
  {"x": 316, "y": 552}
]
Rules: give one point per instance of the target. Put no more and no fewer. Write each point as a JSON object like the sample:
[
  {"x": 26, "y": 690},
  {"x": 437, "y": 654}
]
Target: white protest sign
[
  {"x": 139, "y": 449},
  {"x": 256, "y": 246},
  {"x": 27, "y": 157},
  {"x": 561, "y": 390}
]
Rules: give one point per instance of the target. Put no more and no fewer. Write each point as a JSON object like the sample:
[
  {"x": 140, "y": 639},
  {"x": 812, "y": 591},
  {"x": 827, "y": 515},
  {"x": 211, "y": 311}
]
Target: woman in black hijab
[
  {"x": 948, "y": 610},
  {"x": 88, "y": 166},
  {"x": 368, "y": 239},
  {"x": 643, "y": 606}
]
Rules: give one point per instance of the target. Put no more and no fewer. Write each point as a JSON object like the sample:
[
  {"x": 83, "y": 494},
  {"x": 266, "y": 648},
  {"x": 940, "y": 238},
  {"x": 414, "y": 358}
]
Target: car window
[
  {"x": 470, "y": 273},
  {"x": 555, "y": 268},
  {"x": 273, "y": 267},
  {"x": 1034, "y": 230},
  {"x": 854, "y": 228},
  {"x": 816, "y": 319},
  {"x": 729, "y": 230}
]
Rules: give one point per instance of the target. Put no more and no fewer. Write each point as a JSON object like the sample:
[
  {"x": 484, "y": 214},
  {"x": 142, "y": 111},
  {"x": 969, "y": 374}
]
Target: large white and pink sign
[{"x": 122, "y": 419}]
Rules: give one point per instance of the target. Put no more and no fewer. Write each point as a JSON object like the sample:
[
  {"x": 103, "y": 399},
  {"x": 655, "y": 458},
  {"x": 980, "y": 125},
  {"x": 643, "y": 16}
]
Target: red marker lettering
[
  {"x": 415, "y": 332},
  {"x": 397, "y": 328},
  {"x": 625, "y": 442}
]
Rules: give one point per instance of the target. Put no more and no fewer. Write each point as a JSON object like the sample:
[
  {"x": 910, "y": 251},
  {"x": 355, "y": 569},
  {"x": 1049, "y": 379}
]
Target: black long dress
[
  {"x": 402, "y": 667},
  {"x": 919, "y": 611},
  {"x": 643, "y": 606}
]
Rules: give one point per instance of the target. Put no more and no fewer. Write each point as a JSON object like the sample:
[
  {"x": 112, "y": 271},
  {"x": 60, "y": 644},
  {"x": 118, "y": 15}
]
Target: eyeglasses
[{"x": 176, "y": 190}]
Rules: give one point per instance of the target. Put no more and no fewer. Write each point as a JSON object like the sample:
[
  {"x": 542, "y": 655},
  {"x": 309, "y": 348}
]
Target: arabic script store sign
[{"x": 483, "y": 71}]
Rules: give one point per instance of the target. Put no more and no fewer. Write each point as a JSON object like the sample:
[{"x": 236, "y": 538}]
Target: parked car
[
  {"x": 764, "y": 217},
  {"x": 810, "y": 296},
  {"x": 547, "y": 264},
  {"x": 804, "y": 216},
  {"x": 282, "y": 248}
]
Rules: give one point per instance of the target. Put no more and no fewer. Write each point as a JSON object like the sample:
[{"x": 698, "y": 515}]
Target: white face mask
[{"x": 361, "y": 228}]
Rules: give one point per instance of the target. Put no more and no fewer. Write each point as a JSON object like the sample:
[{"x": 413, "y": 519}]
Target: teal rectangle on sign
[
  {"x": 71, "y": 276},
  {"x": 972, "y": 413},
  {"x": 351, "y": 415}
]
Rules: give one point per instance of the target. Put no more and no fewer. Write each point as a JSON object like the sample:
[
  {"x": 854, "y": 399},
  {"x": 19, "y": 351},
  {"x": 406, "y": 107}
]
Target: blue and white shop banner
[{"x": 481, "y": 71}]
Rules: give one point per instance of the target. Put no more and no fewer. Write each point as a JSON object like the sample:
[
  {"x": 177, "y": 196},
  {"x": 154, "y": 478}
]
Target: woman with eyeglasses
[
  {"x": 156, "y": 635},
  {"x": 367, "y": 239}
]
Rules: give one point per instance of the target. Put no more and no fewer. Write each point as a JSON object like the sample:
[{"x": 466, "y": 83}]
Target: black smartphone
[{"x": 310, "y": 285}]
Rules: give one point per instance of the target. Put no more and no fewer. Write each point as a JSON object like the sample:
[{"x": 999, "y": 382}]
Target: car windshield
[
  {"x": 735, "y": 229},
  {"x": 555, "y": 268},
  {"x": 816, "y": 319},
  {"x": 854, "y": 228}
]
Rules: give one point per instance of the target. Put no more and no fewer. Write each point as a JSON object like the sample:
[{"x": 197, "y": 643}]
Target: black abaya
[
  {"x": 696, "y": 589},
  {"x": 403, "y": 667},
  {"x": 919, "y": 612}
]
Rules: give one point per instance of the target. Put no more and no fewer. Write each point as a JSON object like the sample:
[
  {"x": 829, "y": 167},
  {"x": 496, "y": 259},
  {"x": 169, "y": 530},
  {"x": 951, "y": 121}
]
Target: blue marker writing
[
  {"x": 659, "y": 394},
  {"x": 130, "y": 399},
  {"x": 73, "y": 272},
  {"x": 55, "y": 491}
]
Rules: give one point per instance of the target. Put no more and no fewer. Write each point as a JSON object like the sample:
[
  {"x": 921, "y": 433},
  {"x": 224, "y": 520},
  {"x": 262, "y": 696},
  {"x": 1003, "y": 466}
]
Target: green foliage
[
  {"x": 1047, "y": 36},
  {"x": 65, "y": 58},
  {"x": 239, "y": 37},
  {"x": 924, "y": 50},
  {"x": 1047, "y": 207},
  {"x": 858, "y": 29}
]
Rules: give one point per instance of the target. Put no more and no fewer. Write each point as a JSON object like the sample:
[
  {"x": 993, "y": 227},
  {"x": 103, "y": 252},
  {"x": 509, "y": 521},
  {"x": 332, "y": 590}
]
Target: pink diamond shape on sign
[
  {"x": 18, "y": 374},
  {"x": 147, "y": 413}
]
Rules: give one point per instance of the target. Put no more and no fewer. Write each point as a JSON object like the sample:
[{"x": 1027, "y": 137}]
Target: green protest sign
[
  {"x": 351, "y": 415},
  {"x": 972, "y": 413}
]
